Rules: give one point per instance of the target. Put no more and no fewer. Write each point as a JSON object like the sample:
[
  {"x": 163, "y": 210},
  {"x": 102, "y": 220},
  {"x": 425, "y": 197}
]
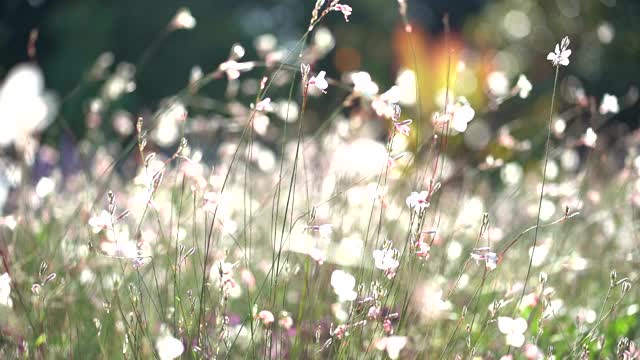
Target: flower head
[
  {"x": 362, "y": 84},
  {"x": 183, "y": 20},
  {"x": 343, "y": 284},
  {"x": 100, "y": 222},
  {"x": 403, "y": 127},
  {"x": 418, "y": 200},
  {"x": 422, "y": 249},
  {"x": 264, "y": 105},
  {"x": 513, "y": 329},
  {"x": 560, "y": 56},
  {"x": 319, "y": 81},
  {"x": 485, "y": 254},
  {"x": 589, "y": 138},
  {"x": 609, "y": 104},
  {"x": 392, "y": 344},
  {"x": 234, "y": 68},
  {"x": 463, "y": 113},
  {"x": 5, "y": 290},
  {"x": 524, "y": 86},
  {"x": 25, "y": 106},
  {"x": 385, "y": 259},
  {"x": 266, "y": 317},
  {"x": 169, "y": 347}
]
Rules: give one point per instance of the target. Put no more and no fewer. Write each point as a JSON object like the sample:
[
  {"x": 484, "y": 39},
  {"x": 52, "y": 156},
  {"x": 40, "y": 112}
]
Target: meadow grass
[{"x": 244, "y": 230}]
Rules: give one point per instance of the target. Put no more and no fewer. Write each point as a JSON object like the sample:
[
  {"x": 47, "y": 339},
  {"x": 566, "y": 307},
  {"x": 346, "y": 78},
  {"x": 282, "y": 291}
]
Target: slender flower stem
[{"x": 544, "y": 178}]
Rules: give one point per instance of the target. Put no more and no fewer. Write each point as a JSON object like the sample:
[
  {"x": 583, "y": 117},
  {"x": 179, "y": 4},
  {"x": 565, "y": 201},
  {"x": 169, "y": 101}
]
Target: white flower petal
[
  {"x": 516, "y": 340},
  {"x": 505, "y": 324},
  {"x": 519, "y": 325}
]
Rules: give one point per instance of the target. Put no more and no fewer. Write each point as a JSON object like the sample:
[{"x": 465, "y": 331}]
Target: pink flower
[
  {"x": 341, "y": 331},
  {"x": 403, "y": 127},
  {"x": 422, "y": 249},
  {"x": 345, "y": 9},
  {"x": 319, "y": 81},
  {"x": 285, "y": 321},
  {"x": 373, "y": 313},
  {"x": 532, "y": 352},
  {"x": 484, "y": 254},
  {"x": 266, "y": 317},
  {"x": 418, "y": 201}
]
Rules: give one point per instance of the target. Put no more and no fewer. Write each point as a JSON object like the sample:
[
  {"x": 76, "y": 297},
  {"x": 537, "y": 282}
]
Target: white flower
[
  {"x": 100, "y": 222},
  {"x": 513, "y": 329},
  {"x": 609, "y": 104},
  {"x": 234, "y": 68},
  {"x": 264, "y": 105},
  {"x": 589, "y": 138},
  {"x": 392, "y": 344},
  {"x": 418, "y": 201},
  {"x": 319, "y": 81},
  {"x": 561, "y": 54},
  {"x": 384, "y": 104},
  {"x": 362, "y": 84},
  {"x": 524, "y": 86},
  {"x": 463, "y": 113},
  {"x": 343, "y": 284},
  {"x": 485, "y": 254},
  {"x": 385, "y": 259},
  {"x": 25, "y": 107},
  {"x": 183, "y": 20},
  {"x": 169, "y": 347},
  {"x": 45, "y": 187},
  {"x": 5, "y": 290}
]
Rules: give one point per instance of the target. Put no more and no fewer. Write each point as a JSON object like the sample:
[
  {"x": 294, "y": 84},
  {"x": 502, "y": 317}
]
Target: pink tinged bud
[
  {"x": 35, "y": 289},
  {"x": 50, "y": 277}
]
